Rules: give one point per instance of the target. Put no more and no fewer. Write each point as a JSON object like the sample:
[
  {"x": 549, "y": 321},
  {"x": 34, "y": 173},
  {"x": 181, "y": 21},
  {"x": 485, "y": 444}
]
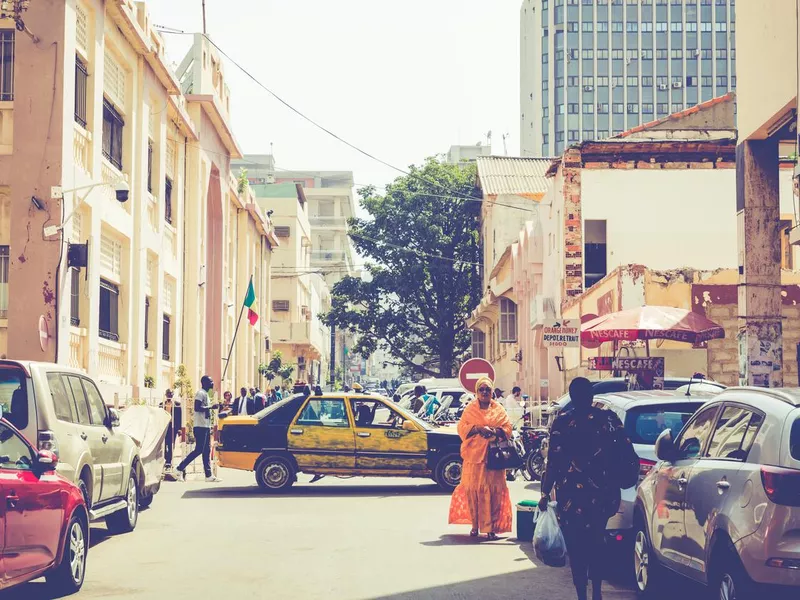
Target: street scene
[{"x": 297, "y": 302}]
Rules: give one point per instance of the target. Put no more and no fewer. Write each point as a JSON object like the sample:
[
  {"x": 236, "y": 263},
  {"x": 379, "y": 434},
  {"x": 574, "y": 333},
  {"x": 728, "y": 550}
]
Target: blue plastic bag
[{"x": 548, "y": 541}]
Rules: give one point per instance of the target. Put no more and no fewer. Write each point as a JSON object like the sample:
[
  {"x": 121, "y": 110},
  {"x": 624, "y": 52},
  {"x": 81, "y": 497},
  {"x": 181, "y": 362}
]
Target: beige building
[
  {"x": 116, "y": 307},
  {"x": 299, "y": 292}
]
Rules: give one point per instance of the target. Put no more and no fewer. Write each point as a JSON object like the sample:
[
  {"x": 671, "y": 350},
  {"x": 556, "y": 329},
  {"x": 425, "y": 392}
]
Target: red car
[{"x": 43, "y": 519}]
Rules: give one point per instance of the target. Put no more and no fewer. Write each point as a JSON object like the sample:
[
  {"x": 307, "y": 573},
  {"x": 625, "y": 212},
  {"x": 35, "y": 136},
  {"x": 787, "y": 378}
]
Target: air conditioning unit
[
  {"x": 280, "y": 305},
  {"x": 588, "y": 88},
  {"x": 283, "y": 231},
  {"x": 677, "y": 84},
  {"x": 270, "y": 178},
  {"x": 697, "y": 52},
  {"x": 663, "y": 86}
]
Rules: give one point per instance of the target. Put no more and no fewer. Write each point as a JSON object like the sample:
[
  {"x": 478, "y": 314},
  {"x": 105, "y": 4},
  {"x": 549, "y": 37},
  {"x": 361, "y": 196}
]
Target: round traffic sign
[
  {"x": 589, "y": 344},
  {"x": 44, "y": 335},
  {"x": 472, "y": 370}
]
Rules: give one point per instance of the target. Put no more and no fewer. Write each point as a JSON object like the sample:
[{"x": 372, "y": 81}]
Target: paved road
[{"x": 352, "y": 539}]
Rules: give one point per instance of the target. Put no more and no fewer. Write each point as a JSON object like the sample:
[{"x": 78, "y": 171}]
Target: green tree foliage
[{"x": 423, "y": 278}]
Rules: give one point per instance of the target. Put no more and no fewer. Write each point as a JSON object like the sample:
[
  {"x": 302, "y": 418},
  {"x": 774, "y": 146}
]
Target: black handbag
[{"x": 502, "y": 454}]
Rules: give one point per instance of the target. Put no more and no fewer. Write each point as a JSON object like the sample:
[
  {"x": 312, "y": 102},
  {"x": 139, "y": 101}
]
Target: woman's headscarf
[{"x": 483, "y": 380}]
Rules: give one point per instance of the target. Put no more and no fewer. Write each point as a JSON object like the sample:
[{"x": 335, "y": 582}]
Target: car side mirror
[
  {"x": 665, "y": 446},
  {"x": 113, "y": 418},
  {"x": 47, "y": 460},
  {"x": 409, "y": 426}
]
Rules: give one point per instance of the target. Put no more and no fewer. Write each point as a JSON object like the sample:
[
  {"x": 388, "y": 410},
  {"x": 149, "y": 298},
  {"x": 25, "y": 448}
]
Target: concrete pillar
[{"x": 758, "y": 206}]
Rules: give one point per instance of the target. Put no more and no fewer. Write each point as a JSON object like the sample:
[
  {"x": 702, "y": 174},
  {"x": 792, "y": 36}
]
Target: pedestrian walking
[
  {"x": 202, "y": 430},
  {"x": 482, "y": 498},
  {"x": 514, "y": 405},
  {"x": 589, "y": 459},
  {"x": 172, "y": 429}
]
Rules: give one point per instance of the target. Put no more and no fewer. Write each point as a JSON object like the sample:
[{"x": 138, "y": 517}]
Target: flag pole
[{"x": 235, "y": 331}]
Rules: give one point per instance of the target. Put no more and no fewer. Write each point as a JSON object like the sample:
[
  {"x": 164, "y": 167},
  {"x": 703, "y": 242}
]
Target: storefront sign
[
  {"x": 561, "y": 334},
  {"x": 649, "y": 369}
]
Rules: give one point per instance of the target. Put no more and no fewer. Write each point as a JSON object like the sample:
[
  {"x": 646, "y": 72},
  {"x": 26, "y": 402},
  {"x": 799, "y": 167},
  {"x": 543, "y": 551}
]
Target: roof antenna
[{"x": 689, "y": 387}]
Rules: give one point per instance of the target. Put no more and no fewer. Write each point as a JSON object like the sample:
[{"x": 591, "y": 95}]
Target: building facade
[{"x": 590, "y": 69}]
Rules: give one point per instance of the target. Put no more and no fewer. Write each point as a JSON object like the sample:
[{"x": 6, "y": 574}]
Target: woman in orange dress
[{"x": 482, "y": 499}]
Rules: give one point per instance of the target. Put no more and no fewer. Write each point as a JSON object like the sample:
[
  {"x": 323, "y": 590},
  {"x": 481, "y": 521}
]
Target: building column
[{"x": 758, "y": 206}]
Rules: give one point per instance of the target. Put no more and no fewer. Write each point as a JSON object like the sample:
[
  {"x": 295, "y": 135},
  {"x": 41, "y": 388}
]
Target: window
[
  {"x": 588, "y": 80},
  {"x": 733, "y": 81},
  {"x": 559, "y": 55},
  {"x": 544, "y": 85},
  {"x": 617, "y": 54},
  {"x": 168, "y": 200},
  {"x": 705, "y": 27},
  {"x": 677, "y": 107},
  {"x": 109, "y": 311},
  {"x": 150, "y": 166},
  {"x": 374, "y": 413},
  {"x": 572, "y": 80},
  {"x": 586, "y": 27},
  {"x": 81, "y": 90},
  {"x": 572, "y": 108},
  {"x": 722, "y": 80},
  {"x": 165, "y": 337},
  {"x": 633, "y": 80},
  {"x": 545, "y": 32},
  {"x": 559, "y": 82},
  {"x": 7, "y": 65},
  {"x": 647, "y": 54},
  {"x": 662, "y": 80},
  {"x": 691, "y": 81},
  {"x": 722, "y": 53},
  {"x": 633, "y": 107},
  {"x": 545, "y": 111},
  {"x": 616, "y": 26},
  {"x": 595, "y": 251},
  {"x": 479, "y": 338},
  {"x": 618, "y": 108},
  {"x": 572, "y": 26},
  {"x": 644, "y": 424},
  {"x": 676, "y": 53},
  {"x": 602, "y": 54},
  {"x": 588, "y": 134},
  {"x": 602, "y": 26},
  {"x": 602, "y": 108},
  {"x": 588, "y": 108},
  {"x": 4, "y": 262},
  {"x": 647, "y": 27},
  {"x": 602, "y": 134},
  {"x": 112, "y": 134},
  {"x": 631, "y": 27},
  {"x": 75, "y": 297},
  {"x": 79, "y": 397},
  {"x": 734, "y": 434},
  {"x": 721, "y": 26},
  {"x": 545, "y": 140},
  {"x": 573, "y": 54},
  {"x": 647, "y": 81},
  {"x": 63, "y": 403},
  {"x": 587, "y": 53},
  {"x": 632, "y": 54},
  {"x": 662, "y": 53},
  {"x": 324, "y": 413},
  {"x": 14, "y": 396},
  {"x": 706, "y": 80},
  {"x": 508, "y": 310},
  {"x": 647, "y": 109},
  {"x": 617, "y": 81},
  {"x": 545, "y": 58},
  {"x": 146, "y": 323},
  {"x": 559, "y": 136},
  {"x": 573, "y": 137},
  {"x": 663, "y": 108},
  {"x": 676, "y": 27},
  {"x": 691, "y": 27},
  {"x": 560, "y": 109},
  {"x": 602, "y": 81},
  {"x": 661, "y": 26},
  {"x": 706, "y": 53},
  {"x": 97, "y": 408},
  {"x": 15, "y": 454},
  {"x": 694, "y": 437}
]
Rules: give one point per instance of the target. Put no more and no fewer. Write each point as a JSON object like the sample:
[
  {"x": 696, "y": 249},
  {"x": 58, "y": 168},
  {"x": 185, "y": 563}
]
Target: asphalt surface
[{"x": 353, "y": 539}]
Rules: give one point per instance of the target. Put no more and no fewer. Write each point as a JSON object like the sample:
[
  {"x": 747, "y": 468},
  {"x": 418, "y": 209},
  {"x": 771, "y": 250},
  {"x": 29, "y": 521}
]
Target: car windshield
[
  {"x": 644, "y": 424},
  {"x": 14, "y": 396},
  {"x": 274, "y": 407}
]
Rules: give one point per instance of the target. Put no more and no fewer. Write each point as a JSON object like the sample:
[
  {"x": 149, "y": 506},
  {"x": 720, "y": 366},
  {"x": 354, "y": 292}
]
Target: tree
[
  {"x": 277, "y": 368},
  {"x": 423, "y": 275}
]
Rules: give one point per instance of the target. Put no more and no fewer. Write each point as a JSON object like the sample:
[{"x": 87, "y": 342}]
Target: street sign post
[
  {"x": 472, "y": 370},
  {"x": 561, "y": 334}
]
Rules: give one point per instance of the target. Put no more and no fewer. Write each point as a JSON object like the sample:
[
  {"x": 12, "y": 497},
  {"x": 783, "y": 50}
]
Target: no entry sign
[{"x": 472, "y": 370}]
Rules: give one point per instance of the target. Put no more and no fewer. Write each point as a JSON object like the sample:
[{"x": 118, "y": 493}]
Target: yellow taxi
[{"x": 340, "y": 434}]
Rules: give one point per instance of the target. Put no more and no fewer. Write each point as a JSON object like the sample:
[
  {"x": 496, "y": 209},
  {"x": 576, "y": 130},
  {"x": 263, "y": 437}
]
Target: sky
[{"x": 401, "y": 80}]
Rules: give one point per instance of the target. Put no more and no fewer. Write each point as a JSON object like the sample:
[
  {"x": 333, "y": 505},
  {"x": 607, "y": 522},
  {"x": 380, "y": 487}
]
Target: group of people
[{"x": 586, "y": 446}]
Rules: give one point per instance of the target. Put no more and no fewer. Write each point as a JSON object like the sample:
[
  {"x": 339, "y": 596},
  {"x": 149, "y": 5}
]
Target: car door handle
[
  {"x": 723, "y": 485},
  {"x": 682, "y": 481},
  {"x": 12, "y": 500},
  {"x": 84, "y": 437},
  {"x": 296, "y": 432},
  {"x": 364, "y": 434}
]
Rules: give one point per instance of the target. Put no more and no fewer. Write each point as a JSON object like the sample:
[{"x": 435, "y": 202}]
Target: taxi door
[
  {"x": 321, "y": 435},
  {"x": 385, "y": 439}
]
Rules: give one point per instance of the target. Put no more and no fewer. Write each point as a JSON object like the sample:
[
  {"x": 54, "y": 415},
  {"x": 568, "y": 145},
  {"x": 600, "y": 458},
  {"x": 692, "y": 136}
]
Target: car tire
[
  {"x": 124, "y": 521},
  {"x": 67, "y": 577},
  {"x": 646, "y": 569},
  {"x": 85, "y": 493},
  {"x": 274, "y": 474},
  {"x": 448, "y": 472},
  {"x": 728, "y": 578}
]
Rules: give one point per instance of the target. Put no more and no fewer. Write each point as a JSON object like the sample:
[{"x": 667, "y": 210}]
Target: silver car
[{"x": 722, "y": 507}]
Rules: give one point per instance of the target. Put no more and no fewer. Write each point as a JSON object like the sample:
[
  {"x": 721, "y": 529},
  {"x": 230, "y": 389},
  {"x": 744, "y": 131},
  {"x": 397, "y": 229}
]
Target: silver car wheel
[
  {"x": 275, "y": 475},
  {"x": 727, "y": 588},
  {"x": 452, "y": 473},
  {"x": 641, "y": 560},
  {"x": 132, "y": 501},
  {"x": 77, "y": 552}
]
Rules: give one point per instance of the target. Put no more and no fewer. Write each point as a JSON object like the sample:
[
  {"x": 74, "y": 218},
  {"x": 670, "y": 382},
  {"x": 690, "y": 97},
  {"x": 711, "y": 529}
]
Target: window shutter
[
  {"x": 114, "y": 80},
  {"x": 170, "y": 159},
  {"x": 111, "y": 257},
  {"x": 169, "y": 295},
  {"x": 82, "y": 28}
]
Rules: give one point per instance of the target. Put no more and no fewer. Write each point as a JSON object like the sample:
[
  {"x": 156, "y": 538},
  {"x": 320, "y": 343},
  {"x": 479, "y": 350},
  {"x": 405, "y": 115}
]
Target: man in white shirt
[{"x": 514, "y": 405}]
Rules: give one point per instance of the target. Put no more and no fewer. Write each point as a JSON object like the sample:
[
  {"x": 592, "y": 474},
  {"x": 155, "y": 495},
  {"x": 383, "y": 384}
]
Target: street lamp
[{"x": 121, "y": 189}]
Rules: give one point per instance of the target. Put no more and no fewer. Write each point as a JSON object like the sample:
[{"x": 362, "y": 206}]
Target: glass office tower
[{"x": 591, "y": 69}]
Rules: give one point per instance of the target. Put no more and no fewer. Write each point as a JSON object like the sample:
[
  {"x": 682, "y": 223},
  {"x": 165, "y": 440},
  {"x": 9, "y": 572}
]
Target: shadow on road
[
  {"x": 98, "y": 535},
  {"x": 319, "y": 491},
  {"x": 466, "y": 540}
]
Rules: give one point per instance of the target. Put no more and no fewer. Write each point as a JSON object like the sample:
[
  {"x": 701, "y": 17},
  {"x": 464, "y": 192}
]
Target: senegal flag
[{"x": 249, "y": 302}]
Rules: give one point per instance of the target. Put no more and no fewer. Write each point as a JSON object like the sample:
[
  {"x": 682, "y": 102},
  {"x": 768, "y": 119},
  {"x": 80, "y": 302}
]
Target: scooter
[{"x": 534, "y": 440}]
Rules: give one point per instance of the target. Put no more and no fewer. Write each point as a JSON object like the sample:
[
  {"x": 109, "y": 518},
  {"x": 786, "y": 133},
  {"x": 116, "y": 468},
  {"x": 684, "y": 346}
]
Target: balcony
[
  {"x": 111, "y": 358},
  {"x": 77, "y": 348},
  {"x": 152, "y": 212},
  {"x": 6, "y": 127},
  {"x": 82, "y": 149},
  {"x": 111, "y": 175},
  {"x": 299, "y": 333},
  {"x": 328, "y": 222},
  {"x": 328, "y": 256}
]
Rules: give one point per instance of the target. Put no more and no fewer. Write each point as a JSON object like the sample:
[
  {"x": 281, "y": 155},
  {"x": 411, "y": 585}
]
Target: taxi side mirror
[{"x": 409, "y": 426}]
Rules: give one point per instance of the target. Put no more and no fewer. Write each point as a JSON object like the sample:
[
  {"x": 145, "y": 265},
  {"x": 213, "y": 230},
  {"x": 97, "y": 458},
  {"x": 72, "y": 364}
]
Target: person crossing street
[{"x": 202, "y": 431}]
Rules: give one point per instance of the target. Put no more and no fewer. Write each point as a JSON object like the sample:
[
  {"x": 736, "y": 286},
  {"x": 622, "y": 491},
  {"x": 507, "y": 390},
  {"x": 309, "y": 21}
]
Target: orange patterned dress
[{"x": 482, "y": 498}]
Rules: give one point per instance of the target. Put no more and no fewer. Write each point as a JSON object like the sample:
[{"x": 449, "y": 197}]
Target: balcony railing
[
  {"x": 328, "y": 256},
  {"x": 111, "y": 175},
  {"x": 112, "y": 361},
  {"x": 77, "y": 348},
  {"x": 6, "y": 127},
  {"x": 82, "y": 149},
  {"x": 301, "y": 333},
  {"x": 328, "y": 222},
  {"x": 171, "y": 239}
]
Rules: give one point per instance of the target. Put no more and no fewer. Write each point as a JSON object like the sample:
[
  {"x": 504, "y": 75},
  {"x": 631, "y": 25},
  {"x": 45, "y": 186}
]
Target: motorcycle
[{"x": 534, "y": 440}]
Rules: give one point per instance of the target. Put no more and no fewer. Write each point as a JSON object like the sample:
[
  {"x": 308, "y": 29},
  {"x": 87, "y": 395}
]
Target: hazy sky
[{"x": 402, "y": 80}]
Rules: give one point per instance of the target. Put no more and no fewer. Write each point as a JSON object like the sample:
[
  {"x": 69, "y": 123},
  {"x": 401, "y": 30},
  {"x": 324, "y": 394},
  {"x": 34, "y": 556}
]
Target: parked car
[
  {"x": 61, "y": 409},
  {"x": 644, "y": 414},
  {"x": 338, "y": 434},
  {"x": 722, "y": 507},
  {"x": 44, "y": 518}
]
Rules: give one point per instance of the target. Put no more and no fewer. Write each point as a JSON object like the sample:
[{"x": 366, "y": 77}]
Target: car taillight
[
  {"x": 781, "y": 485},
  {"x": 46, "y": 440},
  {"x": 645, "y": 466}
]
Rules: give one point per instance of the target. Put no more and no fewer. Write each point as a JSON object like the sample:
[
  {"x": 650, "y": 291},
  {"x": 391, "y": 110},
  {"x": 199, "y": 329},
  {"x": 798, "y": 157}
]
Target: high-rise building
[{"x": 590, "y": 69}]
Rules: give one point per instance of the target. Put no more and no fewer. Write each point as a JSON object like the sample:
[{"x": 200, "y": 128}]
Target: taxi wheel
[
  {"x": 448, "y": 472},
  {"x": 274, "y": 473}
]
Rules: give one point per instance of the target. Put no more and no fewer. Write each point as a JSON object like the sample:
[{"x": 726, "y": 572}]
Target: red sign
[
  {"x": 590, "y": 344},
  {"x": 472, "y": 370}
]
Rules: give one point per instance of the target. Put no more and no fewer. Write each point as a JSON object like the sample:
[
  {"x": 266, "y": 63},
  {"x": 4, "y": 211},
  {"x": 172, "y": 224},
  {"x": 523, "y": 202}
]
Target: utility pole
[
  {"x": 204, "y": 17},
  {"x": 332, "y": 375}
]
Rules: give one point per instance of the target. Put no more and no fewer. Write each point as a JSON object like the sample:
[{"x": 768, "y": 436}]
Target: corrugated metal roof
[{"x": 513, "y": 175}]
